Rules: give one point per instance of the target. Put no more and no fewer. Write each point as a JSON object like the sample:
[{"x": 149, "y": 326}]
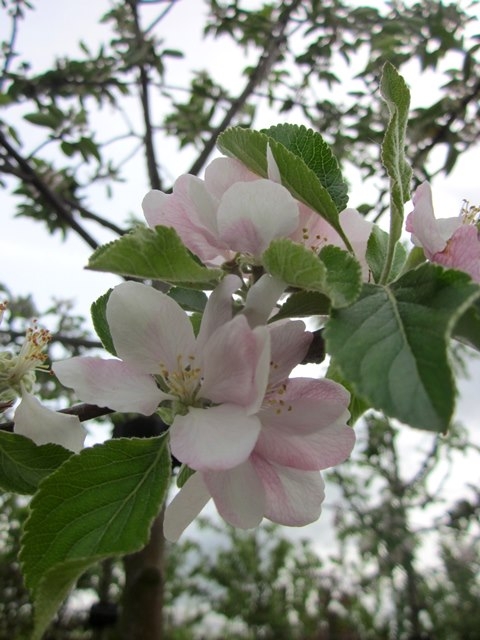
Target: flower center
[
  {"x": 470, "y": 213},
  {"x": 17, "y": 371},
  {"x": 184, "y": 382}
]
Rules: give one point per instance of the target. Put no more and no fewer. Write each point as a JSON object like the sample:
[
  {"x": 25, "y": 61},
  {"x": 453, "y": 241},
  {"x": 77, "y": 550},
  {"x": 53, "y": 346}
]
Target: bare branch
[{"x": 265, "y": 63}]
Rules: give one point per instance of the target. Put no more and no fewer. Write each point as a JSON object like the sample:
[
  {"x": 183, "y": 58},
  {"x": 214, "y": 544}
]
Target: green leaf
[
  {"x": 100, "y": 503},
  {"x": 295, "y": 265},
  {"x": 392, "y": 344},
  {"x": 158, "y": 254},
  {"x": 397, "y": 96},
  {"x": 357, "y": 406},
  {"x": 189, "y": 299},
  {"x": 52, "y": 119},
  {"x": 98, "y": 312},
  {"x": 334, "y": 273},
  {"x": 343, "y": 276},
  {"x": 316, "y": 154},
  {"x": 184, "y": 474},
  {"x": 377, "y": 249},
  {"x": 23, "y": 464},
  {"x": 304, "y": 303},
  {"x": 467, "y": 329},
  {"x": 250, "y": 147}
]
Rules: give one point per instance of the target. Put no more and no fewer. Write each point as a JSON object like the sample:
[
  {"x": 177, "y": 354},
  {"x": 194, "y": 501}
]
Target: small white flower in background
[{"x": 17, "y": 379}]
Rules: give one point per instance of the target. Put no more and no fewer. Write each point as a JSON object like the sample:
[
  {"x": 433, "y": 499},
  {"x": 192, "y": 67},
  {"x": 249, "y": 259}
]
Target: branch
[
  {"x": 152, "y": 165},
  {"x": 50, "y": 196},
  {"x": 265, "y": 63},
  {"x": 57, "y": 337}
]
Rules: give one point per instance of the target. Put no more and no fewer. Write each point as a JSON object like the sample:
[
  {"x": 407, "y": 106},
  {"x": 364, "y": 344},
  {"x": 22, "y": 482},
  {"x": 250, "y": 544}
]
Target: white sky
[{"x": 33, "y": 261}]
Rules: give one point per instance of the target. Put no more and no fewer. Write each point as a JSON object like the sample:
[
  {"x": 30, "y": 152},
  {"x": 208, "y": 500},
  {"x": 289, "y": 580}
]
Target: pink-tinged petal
[
  {"x": 191, "y": 211},
  {"x": 462, "y": 252},
  {"x": 218, "y": 310},
  {"x": 216, "y": 438},
  {"x": 293, "y": 497},
  {"x": 262, "y": 298},
  {"x": 236, "y": 364},
  {"x": 150, "y": 331},
  {"x": 222, "y": 173},
  {"x": 358, "y": 231},
  {"x": 272, "y": 167},
  {"x": 238, "y": 495},
  {"x": 252, "y": 214},
  {"x": 44, "y": 426},
  {"x": 289, "y": 345},
  {"x": 312, "y": 452},
  {"x": 110, "y": 383},
  {"x": 305, "y": 405},
  {"x": 185, "y": 507},
  {"x": 427, "y": 232}
]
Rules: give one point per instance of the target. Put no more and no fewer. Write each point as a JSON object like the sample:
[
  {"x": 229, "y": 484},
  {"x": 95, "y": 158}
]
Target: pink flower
[
  {"x": 303, "y": 430},
  {"x": 214, "y": 384},
  {"x": 451, "y": 242},
  {"x": 235, "y": 211}
]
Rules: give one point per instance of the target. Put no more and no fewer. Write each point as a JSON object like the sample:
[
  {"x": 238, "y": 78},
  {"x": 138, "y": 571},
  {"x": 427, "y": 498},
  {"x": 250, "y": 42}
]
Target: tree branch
[
  {"x": 31, "y": 176},
  {"x": 152, "y": 165},
  {"x": 265, "y": 63}
]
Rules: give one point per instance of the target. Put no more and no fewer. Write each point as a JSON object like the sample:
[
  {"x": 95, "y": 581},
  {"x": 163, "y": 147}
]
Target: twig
[
  {"x": 31, "y": 176},
  {"x": 265, "y": 63}
]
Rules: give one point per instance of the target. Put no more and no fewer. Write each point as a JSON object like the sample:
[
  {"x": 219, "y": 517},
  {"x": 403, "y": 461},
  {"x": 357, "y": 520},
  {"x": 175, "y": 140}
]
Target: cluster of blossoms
[
  {"x": 234, "y": 211},
  {"x": 255, "y": 438},
  {"x": 17, "y": 379},
  {"x": 452, "y": 242}
]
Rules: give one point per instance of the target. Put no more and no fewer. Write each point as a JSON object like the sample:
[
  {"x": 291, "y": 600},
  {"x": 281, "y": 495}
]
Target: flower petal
[
  {"x": 236, "y": 365},
  {"x": 110, "y": 383},
  {"x": 262, "y": 298},
  {"x": 215, "y": 438},
  {"x": 293, "y": 497},
  {"x": 305, "y": 405},
  {"x": 218, "y": 310},
  {"x": 191, "y": 211},
  {"x": 43, "y": 426},
  {"x": 427, "y": 232},
  {"x": 462, "y": 252},
  {"x": 319, "y": 450},
  {"x": 150, "y": 331},
  {"x": 238, "y": 495},
  {"x": 185, "y": 507},
  {"x": 289, "y": 345},
  {"x": 252, "y": 214},
  {"x": 222, "y": 173}
]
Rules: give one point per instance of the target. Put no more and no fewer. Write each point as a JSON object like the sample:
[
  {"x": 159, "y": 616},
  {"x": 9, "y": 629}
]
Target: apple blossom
[
  {"x": 233, "y": 210},
  {"x": 17, "y": 378},
  {"x": 303, "y": 430},
  {"x": 213, "y": 384},
  {"x": 452, "y": 242}
]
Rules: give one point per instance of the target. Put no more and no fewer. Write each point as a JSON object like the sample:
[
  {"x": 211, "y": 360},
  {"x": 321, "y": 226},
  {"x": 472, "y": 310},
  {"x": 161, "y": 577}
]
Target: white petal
[
  {"x": 149, "y": 328},
  {"x": 272, "y": 167},
  {"x": 238, "y": 495},
  {"x": 110, "y": 383},
  {"x": 185, "y": 507},
  {"x": 216, "y": 438},
  {"x": 221, "y": 173},
  {"x": 44, "y": 426},
  {"x": 235, "y": 365},
  {"x": 262, "y": 298},
  {"x": 218, "y": 310},
  {"x": 152, "y": 206},
  {"x": 252, "y": 214},
  {"x": 293, "y": 497}
]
